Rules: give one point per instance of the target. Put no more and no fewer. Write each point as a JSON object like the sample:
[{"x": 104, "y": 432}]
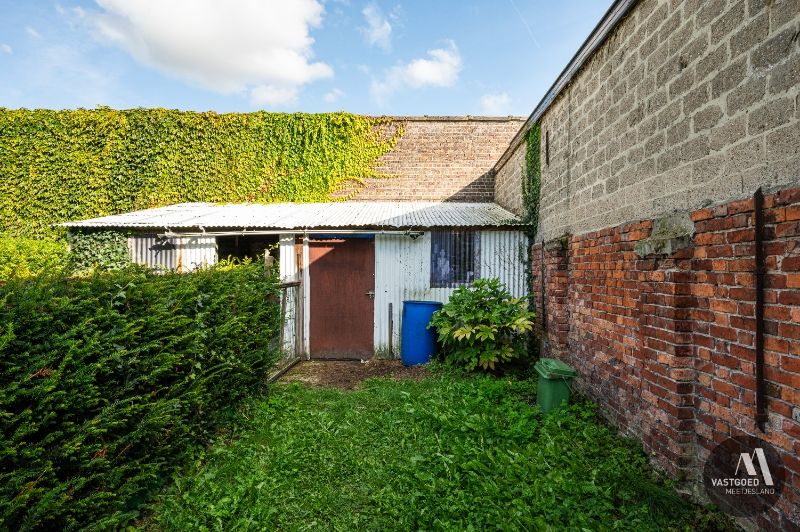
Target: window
[
  {"x": 547, "y": 148},
  {"x": 455, "y": 258}
]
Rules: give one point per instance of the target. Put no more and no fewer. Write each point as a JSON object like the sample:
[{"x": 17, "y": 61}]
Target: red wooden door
[{"x": 342, "y": 284}]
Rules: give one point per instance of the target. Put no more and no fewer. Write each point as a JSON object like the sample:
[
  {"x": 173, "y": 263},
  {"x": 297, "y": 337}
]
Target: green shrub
[
  {"x": 108, "y": 381},
  {"x": 26, "y": 257},
  {"x": 98, "y": 250},
  {"x": 482, "y": 326}
]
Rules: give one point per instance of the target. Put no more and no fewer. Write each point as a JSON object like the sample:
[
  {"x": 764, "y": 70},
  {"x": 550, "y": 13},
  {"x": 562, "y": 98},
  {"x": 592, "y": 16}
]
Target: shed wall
[
  {"x": 403, "y": 269},
  {"x": 189, "y": 253}
]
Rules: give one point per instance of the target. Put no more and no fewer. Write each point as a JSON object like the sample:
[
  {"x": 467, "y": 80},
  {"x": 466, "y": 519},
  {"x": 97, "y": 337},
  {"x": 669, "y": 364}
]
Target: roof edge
[
  {"x": 457, "y": 118},
  {"x": 608, "y": 23}
]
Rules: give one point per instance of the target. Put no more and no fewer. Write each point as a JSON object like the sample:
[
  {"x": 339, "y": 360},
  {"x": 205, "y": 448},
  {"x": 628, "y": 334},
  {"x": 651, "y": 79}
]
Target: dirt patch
[{"x": 347, "y": 375}]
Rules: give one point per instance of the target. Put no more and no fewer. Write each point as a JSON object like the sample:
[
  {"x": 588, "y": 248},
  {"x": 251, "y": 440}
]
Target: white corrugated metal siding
[
  {"x": 289, "y": 272},
  {"x": 402, "y": 272},
  {"x": 184, "y": 254}
]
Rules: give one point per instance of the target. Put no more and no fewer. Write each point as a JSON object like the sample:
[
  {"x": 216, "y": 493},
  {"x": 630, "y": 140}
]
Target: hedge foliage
[
  {"x": 25, "y": 257},
  {"x": 66, "y": 165},
  {"x": 108, "y": 381}
]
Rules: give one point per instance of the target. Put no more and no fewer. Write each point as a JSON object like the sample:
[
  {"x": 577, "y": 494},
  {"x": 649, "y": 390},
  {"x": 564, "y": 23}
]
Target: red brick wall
[
  {"x": 443, "y": 159},
  {"x": 665, "y": 344}
]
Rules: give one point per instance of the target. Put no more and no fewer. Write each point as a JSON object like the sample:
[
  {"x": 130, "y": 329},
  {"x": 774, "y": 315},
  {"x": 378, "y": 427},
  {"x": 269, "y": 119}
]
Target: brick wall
[
  {"x": 443, "y": 158},
  {"x": 687, "y": 102},
  {"x": 665, "y": 342}
]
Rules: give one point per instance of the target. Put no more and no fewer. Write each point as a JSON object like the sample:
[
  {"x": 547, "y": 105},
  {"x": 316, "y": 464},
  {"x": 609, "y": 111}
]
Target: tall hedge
[
  {"x": 107, "y": 381},
  {"x": 65, "y": 165}
]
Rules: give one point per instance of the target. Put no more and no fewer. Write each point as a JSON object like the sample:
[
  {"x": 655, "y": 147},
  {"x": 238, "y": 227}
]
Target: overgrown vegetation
[
  {"x": 532, "y": 179},
  {"x": 66, "y": 165},
  {"x": 446, "y": 453},
  {"x": 482, "y": 325},
  {"x": 57, "y": 166},
  {"x": 107, "y": 380},
  {"x": 25, "y": 257},
  {"x": 531, "y": 194},
  {"x": 98, "y": 250}
]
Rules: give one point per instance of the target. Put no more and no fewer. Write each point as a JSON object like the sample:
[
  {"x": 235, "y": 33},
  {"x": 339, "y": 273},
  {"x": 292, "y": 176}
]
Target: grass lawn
[{"x": 445, "y": 452}]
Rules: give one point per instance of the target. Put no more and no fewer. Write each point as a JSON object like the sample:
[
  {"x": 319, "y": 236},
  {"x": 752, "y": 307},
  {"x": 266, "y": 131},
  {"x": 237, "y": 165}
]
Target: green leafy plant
[
  {"x": 57, "y": 166},
  {"x": 98, "y": 250},
  {"x": 26, "y": 257},
  {"x": 108, "y": 381},
  {"x": 482, "y": 325}
]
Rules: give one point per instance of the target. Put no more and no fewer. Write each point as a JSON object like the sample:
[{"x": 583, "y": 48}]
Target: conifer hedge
[{"x": 107, "y": 382}]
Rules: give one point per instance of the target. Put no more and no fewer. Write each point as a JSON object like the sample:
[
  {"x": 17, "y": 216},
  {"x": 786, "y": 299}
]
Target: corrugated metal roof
[{"x": 350, "y": 214}]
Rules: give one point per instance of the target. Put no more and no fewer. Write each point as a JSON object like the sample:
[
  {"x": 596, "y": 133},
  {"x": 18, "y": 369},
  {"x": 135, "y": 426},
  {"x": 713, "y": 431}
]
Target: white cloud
[
  {"x": 262, "y": 47},
  {"x": 440, "y": 69},
  {"x": 495, "y": 104},
  {"x": 378, "y": 31},
  {"x": 6, "y": 49},
  {"x": 32, "y": 32},
  {"x": 333, "y": 95},
  {"x": 273, "y": 96}
]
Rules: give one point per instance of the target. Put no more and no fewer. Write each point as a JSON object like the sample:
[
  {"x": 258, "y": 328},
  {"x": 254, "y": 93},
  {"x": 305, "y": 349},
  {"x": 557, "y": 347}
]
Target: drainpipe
[
  {"x": 544, "y": 302},
  {"x": 758, "y": 218}
]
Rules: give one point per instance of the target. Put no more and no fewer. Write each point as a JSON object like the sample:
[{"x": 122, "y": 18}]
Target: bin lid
[{"x": 552, "y": 368}]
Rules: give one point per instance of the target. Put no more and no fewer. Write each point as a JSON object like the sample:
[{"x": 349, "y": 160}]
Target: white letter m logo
[{"x": 750, "y": 467}]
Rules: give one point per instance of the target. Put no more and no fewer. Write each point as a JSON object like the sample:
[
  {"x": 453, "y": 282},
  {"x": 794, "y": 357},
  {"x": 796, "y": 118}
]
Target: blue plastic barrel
[{"x": 417, "y": 342}]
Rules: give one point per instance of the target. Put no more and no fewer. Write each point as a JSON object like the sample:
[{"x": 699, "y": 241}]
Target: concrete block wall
[
  {"x": 687, "y": 106},
  {"x": 508, "y": 181},
  {"x": 443, "y": 159},
  {"x": 686, "y": 103}
]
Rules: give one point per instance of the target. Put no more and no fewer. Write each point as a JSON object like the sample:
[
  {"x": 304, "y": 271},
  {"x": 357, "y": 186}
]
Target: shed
[{"x": 355, "y": 262}]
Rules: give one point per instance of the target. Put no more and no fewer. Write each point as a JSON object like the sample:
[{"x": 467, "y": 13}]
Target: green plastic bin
[{"x": 555, "y": 379}]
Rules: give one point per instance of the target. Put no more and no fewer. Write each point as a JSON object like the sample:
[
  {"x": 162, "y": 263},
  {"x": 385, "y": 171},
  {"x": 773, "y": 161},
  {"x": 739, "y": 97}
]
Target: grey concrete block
[
  {"x": 744, "y": 155},
  {"x": 728, "y": 132},
  {"x": 785, "y": 76},
  {"x": 678, "y": 132},
  {"x": 783, "y": 12},
  {"x": 746, "y": 94},
  {"x": 710, "y": 11},
  {"x": 774, "y": 50},
  {"x": 770, "y": 115},
  {"x": 696, "y": 97},
  {"x": 670, "y": 233},
  {"x": 682, "y": 83},
  {"x": 784, "y": 143},
  {"x": 728, "y": 22},
  {"x": 752, "y": 34},
  {"x": 728, "y": 78},
  {"x": 711, "y": 62},
  {"x": 669, "y": 114},
  {"x": 707, "y": 117}
]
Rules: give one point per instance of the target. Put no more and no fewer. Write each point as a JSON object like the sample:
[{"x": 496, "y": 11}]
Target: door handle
[{"x": 371, "y": 294}]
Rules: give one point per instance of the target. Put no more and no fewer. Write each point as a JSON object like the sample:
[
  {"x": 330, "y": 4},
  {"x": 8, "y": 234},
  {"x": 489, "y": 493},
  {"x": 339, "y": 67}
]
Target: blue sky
[{"x": 377, "y": 57}]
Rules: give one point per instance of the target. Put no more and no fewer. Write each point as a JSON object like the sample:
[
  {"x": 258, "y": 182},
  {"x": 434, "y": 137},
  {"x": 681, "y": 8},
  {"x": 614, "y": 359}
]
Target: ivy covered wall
[{"x": 66, "y": 165}]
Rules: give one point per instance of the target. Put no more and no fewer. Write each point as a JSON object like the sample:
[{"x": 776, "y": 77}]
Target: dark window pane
[{"x": 455, "y": 258}]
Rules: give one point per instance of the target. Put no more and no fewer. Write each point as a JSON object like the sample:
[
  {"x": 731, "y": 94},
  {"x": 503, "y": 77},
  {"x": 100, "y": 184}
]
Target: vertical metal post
[
  {"x": 283, "y": 318},
  {"x": 544, "y": 305},
  {"x": 391, "y": 330},
  {"x": 758, "y": 219}
]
